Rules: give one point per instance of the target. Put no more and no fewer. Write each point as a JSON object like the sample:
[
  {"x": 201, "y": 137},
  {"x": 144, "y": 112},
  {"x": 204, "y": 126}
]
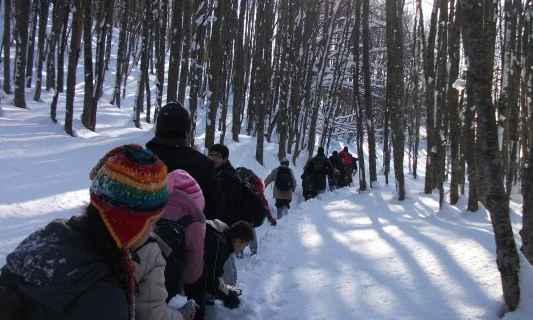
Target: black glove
[{"x": 232, "y": 301}]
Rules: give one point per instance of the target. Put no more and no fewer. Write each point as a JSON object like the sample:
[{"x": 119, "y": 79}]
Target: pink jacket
[{"x": 178, "y": 205}]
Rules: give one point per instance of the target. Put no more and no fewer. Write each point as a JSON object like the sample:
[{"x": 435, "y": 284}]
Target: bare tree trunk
[
  {"x": 22, "y": 8},
  {"x": 74, "y": 54},
  {"x": 200, "y": 18},
  {"x": 368, "y": 93},
  {"x": 86, "y": 116},
  {"x": 215, "y": 73},
  {"x": 184, "y": 70},
  {"x": 31, "y": 42},
  {"x": 526, "y": 233},
  {"x": 479, "y": 38},
  {"x": 43, "y": 19},
  {"x": 452, "y": 101},
  {"x": 395, "y": 88},
  {"x": 122, "y": 40},
  {"x": 7, "y": 44},
  {"x": 139, "y": 100},
  {"x": 176, "y": 36},
  {"x": 429, "y": 79}
]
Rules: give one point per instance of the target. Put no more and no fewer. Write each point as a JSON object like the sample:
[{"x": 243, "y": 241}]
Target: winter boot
[
  {"x": 284, "y": 210},
  {"x": 279, "y": 213}
]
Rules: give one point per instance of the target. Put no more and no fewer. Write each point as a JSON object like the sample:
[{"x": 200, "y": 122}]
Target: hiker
[
  {"x": 171, "y": 145},
  {"x": 259, "y": 188},
  {"x": 354, "y": 165},
  {"x": 182, "y": 230},
  {"x": 320, "y": 167},
  {"x": 229, "y": 182},
  {"x": 284, "y": 186},
  {"x": 308, "y": 183},
  {"x": 90, "y": 254},
  {"x": 151, "y": 301},
  {"x": 347, "y": 157},
  {"x": 231, "y": 187},
  {"x": 220, "y": 242},
  {"x": 335, "y": 177}
]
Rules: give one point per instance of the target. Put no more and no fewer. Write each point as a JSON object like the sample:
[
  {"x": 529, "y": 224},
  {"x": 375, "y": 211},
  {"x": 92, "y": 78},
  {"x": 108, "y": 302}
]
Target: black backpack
[
  {"x": 283, "y": 179},
  {"x": 318, "y": 164},
  {"x": 173, "y": 234},
  {"x": 252, "y": 208}
]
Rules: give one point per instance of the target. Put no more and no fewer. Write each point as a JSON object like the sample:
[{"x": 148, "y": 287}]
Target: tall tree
[
  {"x": 34, "y": 13},
  {"x": 176, "y": 37},
  {"x": 141, "y": 87},
  {"x": 73, "y": 58},
  {"x": 87, "y": 113},
  {"x": 395, "y": 87},
  {"x": 7, "y": 44},
  {"x": 479, "y": 38},
  {"x": 43, "y": 20},
  {"x": 453, "y": 102},
  {"x": 22, "y": 10},
  {"x": 215, "y": 72}
]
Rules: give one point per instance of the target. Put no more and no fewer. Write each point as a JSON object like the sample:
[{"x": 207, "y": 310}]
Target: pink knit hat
[{"x": 181, "y": 180}]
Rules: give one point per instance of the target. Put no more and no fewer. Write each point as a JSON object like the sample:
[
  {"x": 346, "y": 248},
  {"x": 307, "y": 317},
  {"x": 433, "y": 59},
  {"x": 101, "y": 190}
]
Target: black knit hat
[
  {"x": 173, "y": 121},
  {"x": 284, "y": 162},
  {"x": 320, "y": 150}
]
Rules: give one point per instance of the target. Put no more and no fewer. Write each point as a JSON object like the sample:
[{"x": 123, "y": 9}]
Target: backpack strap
[{"x": 186, "y": 220}]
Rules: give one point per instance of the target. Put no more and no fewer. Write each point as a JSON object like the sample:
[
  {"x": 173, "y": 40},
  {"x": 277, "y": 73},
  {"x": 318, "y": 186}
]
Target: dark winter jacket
[
  {"x": 231, "y": 187},
  {"x": 217, "y": 247},
  {"x": 177, "y": 155},
  {"x": 320, "y": 166},
  {"x": 62, "y": 276}
]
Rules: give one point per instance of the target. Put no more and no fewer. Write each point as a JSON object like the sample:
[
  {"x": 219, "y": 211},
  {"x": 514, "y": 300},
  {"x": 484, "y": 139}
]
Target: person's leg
[
  {"x": 279, "y": 205},
  {"x": 230, "y": 271},
  {"x": 253, "y": 244},
  {"x": 196, "y": 291}
]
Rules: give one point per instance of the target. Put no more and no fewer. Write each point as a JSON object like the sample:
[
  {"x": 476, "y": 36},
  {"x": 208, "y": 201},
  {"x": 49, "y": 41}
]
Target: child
[{"x": 220, "y": 243}]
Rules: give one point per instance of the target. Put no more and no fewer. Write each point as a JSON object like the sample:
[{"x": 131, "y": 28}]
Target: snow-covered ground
[{"x": 345, "y": 255}]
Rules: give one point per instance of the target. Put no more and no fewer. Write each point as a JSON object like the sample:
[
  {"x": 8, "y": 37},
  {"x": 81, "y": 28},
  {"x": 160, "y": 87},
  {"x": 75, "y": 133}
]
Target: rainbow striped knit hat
[{"x": 129, "y": 189}]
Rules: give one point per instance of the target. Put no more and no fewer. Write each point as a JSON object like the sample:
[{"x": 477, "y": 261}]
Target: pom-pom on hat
[
  {"x": 182, "y": 180},
  {"x": 284, "y": 162},
  {"x": 129, "y": 189}
]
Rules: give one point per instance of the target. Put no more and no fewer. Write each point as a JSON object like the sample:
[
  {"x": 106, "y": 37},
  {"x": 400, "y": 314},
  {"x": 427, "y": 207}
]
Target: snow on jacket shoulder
[
  {"x": 150, "y": 274},
  {"x": 278, "y": 194}
]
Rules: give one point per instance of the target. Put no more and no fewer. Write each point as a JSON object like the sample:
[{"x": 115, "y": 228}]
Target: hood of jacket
[{"x": 57, "y": 263}]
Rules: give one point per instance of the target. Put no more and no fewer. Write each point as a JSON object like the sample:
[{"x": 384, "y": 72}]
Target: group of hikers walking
[
  {"x": 338, "y": 169},
  {"x": 156, "y": 239}
]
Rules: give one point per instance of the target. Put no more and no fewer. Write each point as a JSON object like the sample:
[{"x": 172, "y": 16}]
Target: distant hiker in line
[
  {"x": 259, "y": 188},
  {"x": 231, "y": 187},
  {"x": 284, "y": 186},
  {"x": 354, "y": 165},
  {"x": 220, "y": 242},
  {"x": 347, "y": 157},
  {"x": 182, "y": 230},
  {"x": 320, "y": 167},
  {"x": 91, "y": 254},
  {"x": 171, "y": 145},
  {"x": 335, "y": 176}
]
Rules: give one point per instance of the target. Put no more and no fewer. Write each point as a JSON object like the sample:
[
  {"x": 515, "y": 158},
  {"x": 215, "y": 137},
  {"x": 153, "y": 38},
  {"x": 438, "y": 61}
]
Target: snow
[{"x": 344, "y": 255}]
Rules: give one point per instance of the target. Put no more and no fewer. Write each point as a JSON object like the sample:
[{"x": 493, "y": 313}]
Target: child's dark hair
[
  {"x": 106, "y": 246},
  {"x": 220, "y": 148},
  {"x": 241, "y": 230}
]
